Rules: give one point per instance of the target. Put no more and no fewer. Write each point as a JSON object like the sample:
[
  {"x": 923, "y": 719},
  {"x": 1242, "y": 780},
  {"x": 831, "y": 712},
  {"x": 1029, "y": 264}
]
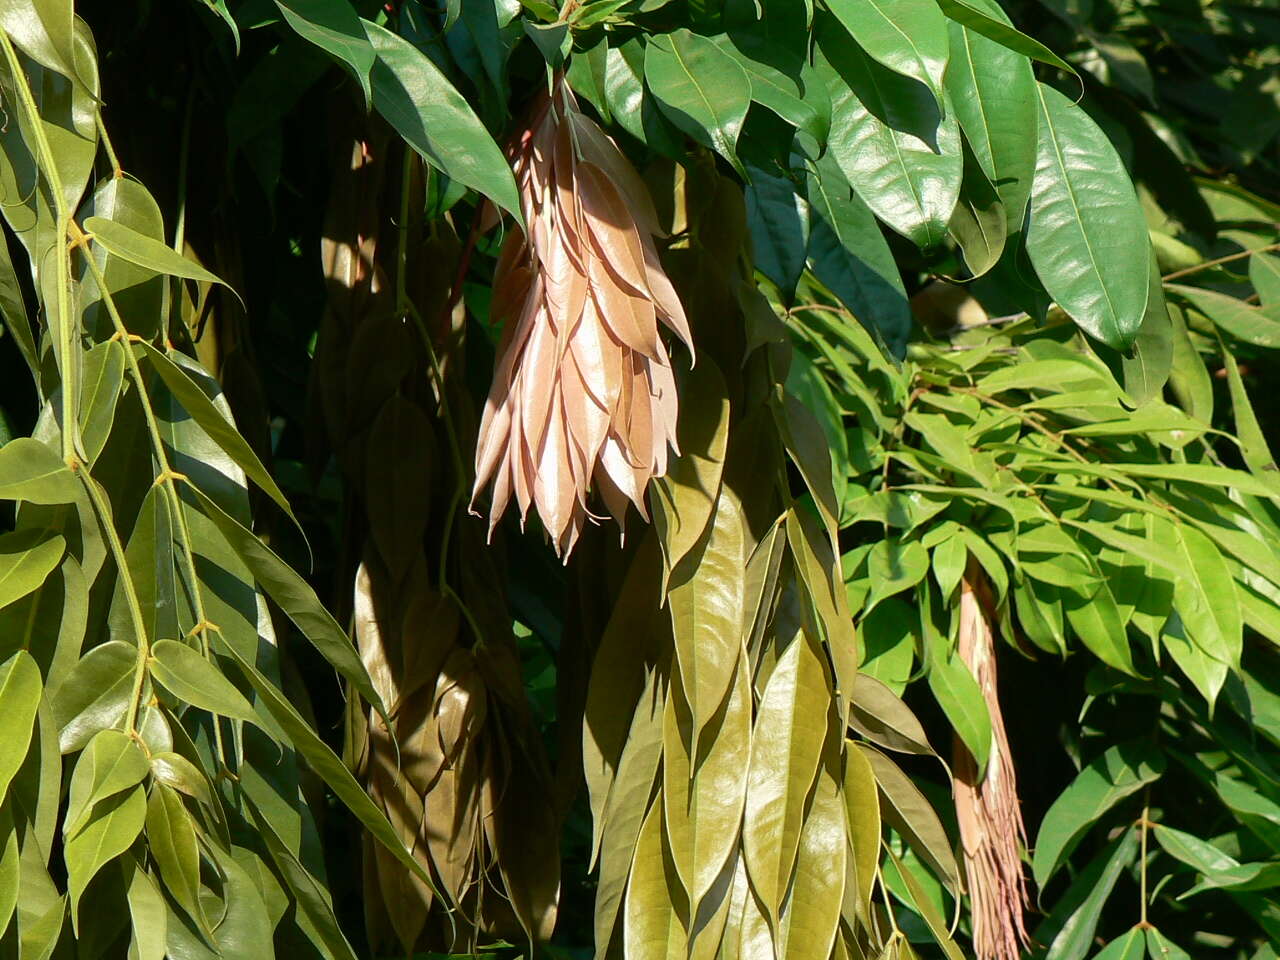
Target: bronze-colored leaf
[{"x": 583, "y": 393}]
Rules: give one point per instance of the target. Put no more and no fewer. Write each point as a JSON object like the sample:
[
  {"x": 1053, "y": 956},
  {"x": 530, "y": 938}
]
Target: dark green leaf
[{"x": 1086, "y": 234}]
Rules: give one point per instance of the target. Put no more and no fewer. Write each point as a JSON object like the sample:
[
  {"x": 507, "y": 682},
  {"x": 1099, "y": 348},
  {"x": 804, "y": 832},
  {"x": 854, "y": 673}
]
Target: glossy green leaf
[
  {"x": 1244, "y": 321},
  {"x": 176, "y": 771},
  {"x": 895, "y": 565},
  {"x": 121, "y": 240},
  {"x": 1161, "y": 948},
  {"x": 848, "y": 253},
  {"x": 30, "y": 471},
  {"x": 1120, "y": 771},
  {"x": 326, "y": 763},
  {"x": 686, "y": 497},
  {"x": 1095, "y": 618},
  {"x": 862, "y": 826},
  {"x": 103, "y": 377},
  {"x": 700, "y": 88},
  {"x": 111, "y": 830},
  {"x": 417, "y": 99},
  {"x": 203, "y": 410},
  {"x": 148, "y": 915},
  {"x": 1086, "y": 235},
  {"x": 1075, "y": 939},
  {"x": 25, "y": 562},
  {"x": 110, "y": 763},
  {"x": 332, "y": 25},
  {"x": 95, "y": 694},
  {"x": 778, "y": 218},
  {"x": 1130, "y": 946},
  {"x": 961, "y": 699},
  {"x": 192, "y": 679},
  {"x": 985, "y": 18},
  {"x": 1264, "y": 274},
  {"x": 20, "y": 691},
  {"x": 1206, "y": 595},
  {"x": 10, "y": 868},
  {"x": 294, "y": 596},
  {"x": 907, "y": 36},
  {"x": 992, "y": 91},
  {"x": 895, "y": 146},
  {"x": 880, "y": 716},
  {"x": 172, "y": 839}
]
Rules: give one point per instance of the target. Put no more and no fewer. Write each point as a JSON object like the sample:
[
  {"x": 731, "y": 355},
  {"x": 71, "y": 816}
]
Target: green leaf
[
  {"x": 987, "y": 19},
  {"x": 31, "y": 471},
  {"x": 44, "y": 31},
  {"x": 786, "y": 745},
  {"x": 889, "y": 643},
  {"x": 1119, "y": 772},
  {"x": 651, "y": 928},
  {"x": 1189, "y": 379},
  {"x": 959, "y": 696},
  {"x": 977, "y": 223},
  {"x": 310, "y": 895},
  {"x": 907, "y": 36},
  {"x": 326, "y": 764},
  {"x": 171, "y": 837},
  {"x": 1192, "y": 851},
  {"x": 176, "y": 771},
  {"x": 927, "y": 908},
  {"x": 192, "y": 679},
  {"x": 992, "y": 91},
  {"x": 1095, "y": 617},
  {"x": 103, "y": 374},
  {"x": 1131, "y": 946},
  {"x": 124, "y": 242},
  {"x": 778, "y": 218},
  {"x": 1264, "y": 274},
  {"x": 332, "y": 25},
  {"x": 1206, "y": 596},
  {"x": 905, "y": 809},
  {"x": 1257, "y": 325},
  {"x": 20, "y": 689},
  {"x": 1253, "y": 442},
  {"x": 114, "y": 825},
  {"x": 848, "y": 253},
  {"x": 800, "y": 106},
  {"x": 10, "y": 868},
  {"x": 893, "y": 144},
  {"x": 1160, "y": 948},
  {"x": 701, "y": 89},
  {"x": 294, "y": 596},
  {"x": 1076, "y": 936},
  {"x": 419, "y": 101},
  {"x": 149, "y": 916},
  {"x": 812, "y": 918},
  {"x": 26, "y": 562},
  {"x": 197, "y": 403},
  {"x": 95, "y": 694},
  {"x": 895, "y": 565},
  {"x": 1086, "y": 228},
  {"x": 110, "y": 763}
]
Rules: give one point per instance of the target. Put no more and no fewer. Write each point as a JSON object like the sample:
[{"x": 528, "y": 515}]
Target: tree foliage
[{"x": 961, "y": 571}]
